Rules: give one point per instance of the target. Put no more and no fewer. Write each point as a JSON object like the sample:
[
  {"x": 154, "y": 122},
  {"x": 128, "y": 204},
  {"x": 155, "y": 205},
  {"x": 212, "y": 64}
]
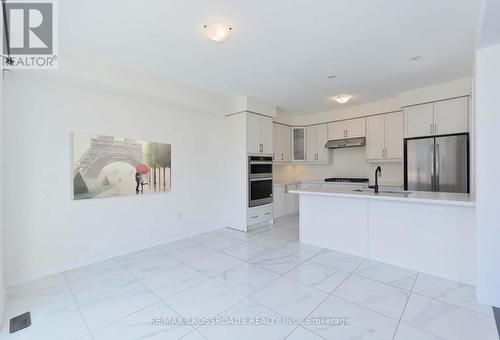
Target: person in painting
[
  {"x": 142, "y": 184},
  {"x": 138, "y": 180}
]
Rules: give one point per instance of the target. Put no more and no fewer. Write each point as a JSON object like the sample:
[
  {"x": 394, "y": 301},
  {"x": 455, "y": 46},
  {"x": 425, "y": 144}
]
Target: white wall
[
  {"x": 2, "y": 287},
  {"x": 382, "y": 106},
  {"x": 487, "y": 124},
  {"x": 47, "y": 231},
  {"x": 455, "y": 88}
]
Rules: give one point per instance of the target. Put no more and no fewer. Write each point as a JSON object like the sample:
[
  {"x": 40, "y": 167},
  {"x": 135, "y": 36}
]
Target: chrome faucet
[{"x": 378, "y": 172}]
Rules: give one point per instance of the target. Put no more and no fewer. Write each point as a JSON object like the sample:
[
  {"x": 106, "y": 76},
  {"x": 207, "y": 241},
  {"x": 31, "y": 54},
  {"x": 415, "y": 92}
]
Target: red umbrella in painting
[{"x": 142, "y": 168}]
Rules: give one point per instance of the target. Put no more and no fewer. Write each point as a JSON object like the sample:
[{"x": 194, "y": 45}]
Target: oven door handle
[
  {"x": 260, "y": 179},
  {"x": 261, "y": 162}
]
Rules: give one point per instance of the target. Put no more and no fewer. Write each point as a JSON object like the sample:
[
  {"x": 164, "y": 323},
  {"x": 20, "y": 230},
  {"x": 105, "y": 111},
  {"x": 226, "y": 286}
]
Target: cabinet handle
[
  {"x": 282, "y": 157},
  {"x": 268, "y": 213},
  {"x": 254, "y": 216},
  {"x": 435, "y": 129},
  {"x": 432, "y": 129}
]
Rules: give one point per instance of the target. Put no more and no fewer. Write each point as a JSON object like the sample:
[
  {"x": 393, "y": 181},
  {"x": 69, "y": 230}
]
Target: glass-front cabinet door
[{"x": 299, "y": 144}]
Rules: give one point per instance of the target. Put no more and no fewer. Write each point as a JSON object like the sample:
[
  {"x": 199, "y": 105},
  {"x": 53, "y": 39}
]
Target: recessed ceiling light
[
  {"x": 342, "y": 99},
  {"x": 217, "y": 31},
  {"x": 415, "y": 58},
  {"x": 333, "y": 76}
]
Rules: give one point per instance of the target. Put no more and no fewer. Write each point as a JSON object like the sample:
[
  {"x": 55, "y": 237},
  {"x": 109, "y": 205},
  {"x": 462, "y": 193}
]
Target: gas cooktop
[{"x": 347, "y": 180}]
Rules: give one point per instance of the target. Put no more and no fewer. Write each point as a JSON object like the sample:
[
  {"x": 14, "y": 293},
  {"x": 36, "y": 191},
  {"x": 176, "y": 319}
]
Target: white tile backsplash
[{"x": 349, "y": 162}]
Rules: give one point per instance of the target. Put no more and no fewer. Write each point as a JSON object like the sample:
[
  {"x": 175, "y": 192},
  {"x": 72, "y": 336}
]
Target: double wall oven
[{"x": 260, "y": 180}]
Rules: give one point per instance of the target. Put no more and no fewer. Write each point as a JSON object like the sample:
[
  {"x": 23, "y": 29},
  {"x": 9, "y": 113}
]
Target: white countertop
[
  {"x": 322, "y": 181},
  {"x": 414, "y": 196}
]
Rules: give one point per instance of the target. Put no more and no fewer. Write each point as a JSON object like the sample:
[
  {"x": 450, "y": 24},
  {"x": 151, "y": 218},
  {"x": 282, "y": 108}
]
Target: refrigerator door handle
[
  {"x": 437, "y": 167},
  {"x": 433, "y": 179}
]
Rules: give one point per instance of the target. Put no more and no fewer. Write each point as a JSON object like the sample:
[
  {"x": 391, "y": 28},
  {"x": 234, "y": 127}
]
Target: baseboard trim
[
  {"x": 26, "y": 277},
  {"x": 286, "y": 217}
]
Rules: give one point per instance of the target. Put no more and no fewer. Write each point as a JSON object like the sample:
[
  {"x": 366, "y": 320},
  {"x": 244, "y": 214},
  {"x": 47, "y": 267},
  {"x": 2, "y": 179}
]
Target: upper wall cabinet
[
  {"x": 351, "y": 128},
  {"x": 317, "y": 136},
  {"x": 336, "y": 130},
  {"x": 439, "y": 118},
  {"x": 282, "y": 135},
  {"x": 451, "y": 116},
  {"x": 259, "y": 134},
  {"x": 384, "y": 137}
]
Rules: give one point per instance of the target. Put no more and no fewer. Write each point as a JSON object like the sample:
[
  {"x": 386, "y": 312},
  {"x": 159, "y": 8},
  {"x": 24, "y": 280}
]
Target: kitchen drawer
[{"x": 260, "y": 214}]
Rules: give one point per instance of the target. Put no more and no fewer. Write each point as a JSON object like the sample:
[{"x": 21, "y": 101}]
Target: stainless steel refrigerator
[{"x": 437, "y": 163}]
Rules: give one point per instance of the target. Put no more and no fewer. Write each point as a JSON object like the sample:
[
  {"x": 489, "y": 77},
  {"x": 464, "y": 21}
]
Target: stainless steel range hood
[{"x": 345, "y": 143}]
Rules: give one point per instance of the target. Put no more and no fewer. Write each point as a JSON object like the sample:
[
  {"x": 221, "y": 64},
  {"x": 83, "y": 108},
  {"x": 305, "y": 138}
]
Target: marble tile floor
[{"x": 263, "y": 284}]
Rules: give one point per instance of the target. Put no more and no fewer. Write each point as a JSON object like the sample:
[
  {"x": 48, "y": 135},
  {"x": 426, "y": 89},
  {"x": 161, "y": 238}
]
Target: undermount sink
[{"x": 363, "y": 190}]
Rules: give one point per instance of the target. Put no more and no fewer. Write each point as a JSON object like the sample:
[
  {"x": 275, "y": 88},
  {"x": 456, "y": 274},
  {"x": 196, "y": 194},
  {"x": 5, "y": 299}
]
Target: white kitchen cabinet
[
  {"x": 291, "y": 200},
  {"x": 321, "y": 140},
  {"x": 394, "y": 135},
  {"x": 419, "y": 120},
  {"x": 355, "y": 128},
  {"x": 266, "y": 134},
  {"x": 277, "y": 154},
  {"x": 351, "y": 128},
  {"x": 384, "y": 137},
  {"x": 286, "y": 143},
  {"x": 253, "y": 133},
  {"x": 285, "y": 203},
  {"x": 259, "y": 130},
  {"x": 261, "y": 214},
  {"x": 375, "y": 137},
  {"x": 451, "y": 116},
  {"x": 336, "y": 130},
  {"x": 317, "y": 136},
  {"x": 279, "y": 201},
  {"x": 311, "y": 145},
  {"x": 439, "y": 118},
  {"x": 298, "y": 144},
  {"x": 282, "y": 143}
]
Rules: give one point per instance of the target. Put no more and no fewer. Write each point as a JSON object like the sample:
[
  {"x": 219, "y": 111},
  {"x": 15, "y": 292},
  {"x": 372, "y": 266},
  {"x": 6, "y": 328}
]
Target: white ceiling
[{"x": 280, "y": 51}]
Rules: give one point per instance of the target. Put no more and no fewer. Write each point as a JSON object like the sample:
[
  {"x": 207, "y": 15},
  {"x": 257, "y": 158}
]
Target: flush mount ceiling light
[
  {"x": 217, "y": 31},
  {"x": 342, "y": 99}
]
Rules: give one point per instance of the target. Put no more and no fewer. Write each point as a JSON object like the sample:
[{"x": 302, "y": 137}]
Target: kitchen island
[{"x": 425, "y": 231}]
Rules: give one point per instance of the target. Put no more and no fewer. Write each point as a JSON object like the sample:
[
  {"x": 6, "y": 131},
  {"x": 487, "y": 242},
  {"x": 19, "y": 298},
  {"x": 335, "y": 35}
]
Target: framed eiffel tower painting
[{"x": 107, "y": 166}]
